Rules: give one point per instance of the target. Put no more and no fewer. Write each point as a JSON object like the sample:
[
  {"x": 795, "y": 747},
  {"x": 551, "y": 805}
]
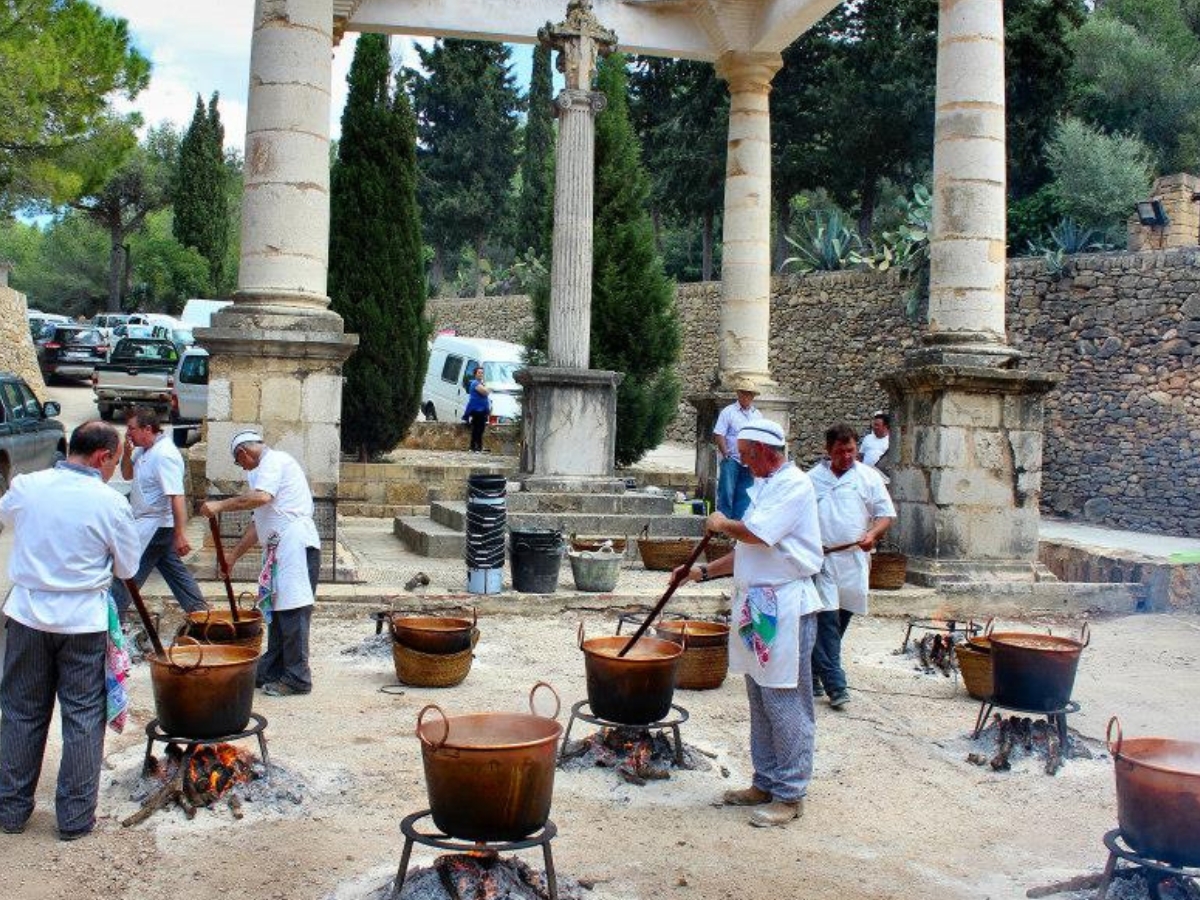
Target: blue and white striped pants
[
  {"x": 37, "y": 666},
  {"x": 783, "y": 727}
]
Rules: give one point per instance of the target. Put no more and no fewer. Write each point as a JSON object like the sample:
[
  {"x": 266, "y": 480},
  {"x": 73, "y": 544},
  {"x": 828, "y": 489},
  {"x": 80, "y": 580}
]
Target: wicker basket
[
  {"x": 702, "y": 668},
  {"x": 664, "y": 554},
  {"x": 430, "y": 669},
  {"x": 976, "y": 668},
  {"x": 718, "y": 546},
  {"x": 887, "y": 571}
]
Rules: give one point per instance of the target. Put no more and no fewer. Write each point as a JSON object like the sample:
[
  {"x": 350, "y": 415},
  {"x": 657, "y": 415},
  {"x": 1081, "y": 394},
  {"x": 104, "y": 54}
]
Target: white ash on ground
[
  {"x": 374, "y": 647},
  {"x": 1127, "y": 884},
  {"x": 506, "y": 878},
  {"x": 638, "y": 754},
  {"x": 1010, "y": 741}
]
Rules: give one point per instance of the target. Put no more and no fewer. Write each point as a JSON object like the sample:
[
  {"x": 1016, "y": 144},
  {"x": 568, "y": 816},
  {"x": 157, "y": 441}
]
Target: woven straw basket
[
  {"x": 664, "y": 554},
  {"x": 702, "y": 668},
  {"x": 976, "y": 667},
  {"x": 431, "y": 669},
  {"x": 718, "y": 546},
  {"x": 887, "y": 571}
]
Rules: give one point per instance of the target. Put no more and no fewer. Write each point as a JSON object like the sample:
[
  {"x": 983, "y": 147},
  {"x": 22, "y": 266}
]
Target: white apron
[
  {"x": 844, "y": 518},
  {"x": 764, "y": 629},
  {"x": 292, "y": 589}
]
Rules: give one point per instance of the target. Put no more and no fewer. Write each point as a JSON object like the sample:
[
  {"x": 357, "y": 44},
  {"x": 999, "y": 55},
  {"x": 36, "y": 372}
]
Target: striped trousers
[
  {"x": 783, "y": 727},
  {"x": 38, "y": 665}
]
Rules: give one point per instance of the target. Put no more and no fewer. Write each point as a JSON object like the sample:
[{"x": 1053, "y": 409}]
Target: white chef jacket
[
  {"x": 730, "y": 422},
  {"x": 783, "y": 514},
  {"x": 288, "y": 517},
  {"x": 157, "y": 477},
  {"x": 72, "y": 533},
  {"x": 873, "y": 448},
  {"x": 846, "y": 507}
]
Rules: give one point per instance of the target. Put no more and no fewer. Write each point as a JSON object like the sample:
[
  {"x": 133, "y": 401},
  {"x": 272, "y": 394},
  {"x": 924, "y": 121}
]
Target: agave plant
[
  {"x": 827, "y": 244},
  {"x": 1067, "y": 238}
]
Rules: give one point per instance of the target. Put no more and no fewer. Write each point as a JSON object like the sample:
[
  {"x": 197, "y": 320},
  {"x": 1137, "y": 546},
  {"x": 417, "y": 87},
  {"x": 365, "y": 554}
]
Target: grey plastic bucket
[{"x": 595, "y": 571}]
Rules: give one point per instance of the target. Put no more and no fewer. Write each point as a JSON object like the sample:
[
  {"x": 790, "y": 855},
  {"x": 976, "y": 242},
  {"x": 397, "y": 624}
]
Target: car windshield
[
  {"x": 500, "y": 372},
  {"x": 182, "y": 336}
]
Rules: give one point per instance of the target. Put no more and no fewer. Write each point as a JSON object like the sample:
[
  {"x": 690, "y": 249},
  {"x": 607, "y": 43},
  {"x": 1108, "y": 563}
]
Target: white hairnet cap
[
  {"x": 248, "y": 436},
  {"x": 762, "y": 431}
]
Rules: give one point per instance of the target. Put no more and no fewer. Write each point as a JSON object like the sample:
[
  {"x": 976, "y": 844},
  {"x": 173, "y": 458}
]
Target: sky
[{"x": 201, "y": 46}]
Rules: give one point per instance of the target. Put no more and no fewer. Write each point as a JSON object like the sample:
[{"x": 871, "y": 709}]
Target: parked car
[
  {"x": 71, "y": 351},
  {"x": 189, "y": 395},
  {"x": 452, "y": 364},
  {"x": 140, "y": 372},
  {"x": 30, "y": 438}
]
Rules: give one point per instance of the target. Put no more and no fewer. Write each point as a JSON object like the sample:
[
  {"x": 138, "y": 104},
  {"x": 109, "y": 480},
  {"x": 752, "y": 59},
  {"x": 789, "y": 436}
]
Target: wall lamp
[{"x": 1151, "y": 212}]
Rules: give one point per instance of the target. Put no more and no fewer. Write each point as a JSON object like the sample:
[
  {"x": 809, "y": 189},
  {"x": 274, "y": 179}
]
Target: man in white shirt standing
[
  {"x": 72, "y": 534},
  {"x": 774, "y": 609},
  {"x": 283, "y": 525},
  {"x": 733, "y": 476},
  {"x": 875, "y": 442},
  {"x": 154, "y": 466},
  {"x": 855, "y": 510}
]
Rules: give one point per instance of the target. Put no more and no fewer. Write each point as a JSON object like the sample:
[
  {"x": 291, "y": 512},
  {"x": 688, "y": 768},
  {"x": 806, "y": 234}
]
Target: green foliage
[
  {"x": 1066, "y": 239},
  {"x": 376, "y": 277},
  {"x": 62, "y": 63},
  {"x": 200, "y": 194},
  {"x": 165, "y": 273},
  {"x": 1031, "y": 217},
  {"x": 466, "y": 126},
  {"x": 827, "y": 244},
  {"x": 1097, "y": 177},
  {"x": 536, "y": 200}
]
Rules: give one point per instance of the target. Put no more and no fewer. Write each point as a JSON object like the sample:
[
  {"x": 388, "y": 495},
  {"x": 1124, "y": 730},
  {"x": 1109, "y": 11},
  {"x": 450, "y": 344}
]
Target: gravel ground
[{"x": 895, "y": 810}]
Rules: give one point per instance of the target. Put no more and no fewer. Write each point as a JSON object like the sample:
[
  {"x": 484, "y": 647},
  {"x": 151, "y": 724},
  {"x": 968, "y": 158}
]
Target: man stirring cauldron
[
  {"x": 72, "y": 534},
  {"x": 774, "y": 624},
  {"x": 283, "y": 524}
]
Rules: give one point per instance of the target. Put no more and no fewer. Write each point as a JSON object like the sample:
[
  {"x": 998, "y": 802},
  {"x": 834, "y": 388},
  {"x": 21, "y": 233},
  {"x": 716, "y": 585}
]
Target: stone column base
[
  {"x": 967, "y": 473},
  {"x": 281, "y": 373},
  {"x": 775, "y": 406},
  {"x": 569, "y": 429}
]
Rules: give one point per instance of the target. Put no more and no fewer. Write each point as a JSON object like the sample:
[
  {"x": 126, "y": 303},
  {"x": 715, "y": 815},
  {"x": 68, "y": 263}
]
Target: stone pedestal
[
  {"x": 569, "y": 429},
  {"x": 773, "y": 405},
  {"x": 967, "y": 472}
]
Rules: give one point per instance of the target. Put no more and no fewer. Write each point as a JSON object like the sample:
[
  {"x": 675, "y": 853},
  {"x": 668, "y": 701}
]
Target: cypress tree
[
  {"x": 536, "y": 164},
  {"x": 201, "y": 210},
  {"x": 376, "y": 277}
]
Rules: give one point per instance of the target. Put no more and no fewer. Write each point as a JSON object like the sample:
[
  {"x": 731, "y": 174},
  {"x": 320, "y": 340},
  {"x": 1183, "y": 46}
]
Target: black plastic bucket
[
  {"x": 486, "y": 521},
  {"x": 536, "y": 555}
]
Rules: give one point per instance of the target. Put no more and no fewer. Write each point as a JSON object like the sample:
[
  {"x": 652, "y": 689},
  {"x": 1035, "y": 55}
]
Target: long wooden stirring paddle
[
  {"x": 224, "y": 566},
  {"x": 151, "y": 631},
  {"x": 676, "y": 581}
]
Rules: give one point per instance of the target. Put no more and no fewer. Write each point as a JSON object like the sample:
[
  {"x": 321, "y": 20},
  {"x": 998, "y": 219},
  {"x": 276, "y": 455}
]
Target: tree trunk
[
  {"x": 869, "y": 193},
  {"x": 479, "y": 247},
  {"x": 437, "y": 272},
  {"x": 116, "y": 270},
  {"x": 783, "y": 223},
  {"x": 127, "y": 279},
  {"x": 706, "y": 252}
]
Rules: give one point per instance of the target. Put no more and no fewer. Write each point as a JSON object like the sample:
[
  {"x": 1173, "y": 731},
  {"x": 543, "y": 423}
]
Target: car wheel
[
  {"x": 179, "y": 436},
  {"x": 430, "y": 412},
  {"x": 106, "y": 411}
]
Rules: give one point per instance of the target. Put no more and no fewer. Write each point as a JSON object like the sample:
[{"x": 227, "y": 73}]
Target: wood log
[
  {"x": 160, "y": 798},
  {"x": 1088, "y": 882},
  {"x": 235, "y": 806}
]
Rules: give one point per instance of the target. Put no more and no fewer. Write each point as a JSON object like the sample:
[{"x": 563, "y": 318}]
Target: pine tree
[
  {"x": 466, "y": 121},
  {"x": 201, "y": 210},
  {"x": 376, "y": 277},
  {"x": 536, "y": 165}
]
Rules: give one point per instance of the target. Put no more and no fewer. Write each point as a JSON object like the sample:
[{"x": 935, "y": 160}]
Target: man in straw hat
[
  {"x": 774, "y": 621},
  {"x": 733, "y": 476},
  {"x": 283, "y": 525}
]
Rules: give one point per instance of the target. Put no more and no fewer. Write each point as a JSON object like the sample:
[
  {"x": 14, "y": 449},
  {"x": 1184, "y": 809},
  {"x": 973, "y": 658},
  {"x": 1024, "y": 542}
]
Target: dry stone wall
[
  {"x": 16, "y": 347},
  {"x": 1122, "y": 441}
]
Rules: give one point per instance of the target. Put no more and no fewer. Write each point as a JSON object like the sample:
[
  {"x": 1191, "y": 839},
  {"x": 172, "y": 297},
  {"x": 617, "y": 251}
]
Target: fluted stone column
[
  {"x": 571, "y": 262},
  {"x": 277, "y": 352},
  {"x": 746, "y": 237},
  {"x": 967, "y": 241}
]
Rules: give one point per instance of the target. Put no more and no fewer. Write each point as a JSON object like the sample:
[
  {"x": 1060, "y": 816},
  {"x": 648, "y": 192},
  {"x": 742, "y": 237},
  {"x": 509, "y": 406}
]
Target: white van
[
  {"x": 198, "y": 312},
  {"x": 453, "y": 360}
]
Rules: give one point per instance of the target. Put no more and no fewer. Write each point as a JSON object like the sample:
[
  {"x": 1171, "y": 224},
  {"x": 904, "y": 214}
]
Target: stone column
[
  {"x": 571, "y": 261},
  {"x": 746, "y": 230},
  {"x": 967, "y": 240},
  {"x": 277, "y": 352}
]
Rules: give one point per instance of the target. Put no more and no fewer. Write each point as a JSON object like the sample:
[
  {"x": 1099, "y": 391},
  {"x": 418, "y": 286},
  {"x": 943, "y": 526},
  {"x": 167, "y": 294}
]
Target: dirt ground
[{"x": 894, "y": 809}]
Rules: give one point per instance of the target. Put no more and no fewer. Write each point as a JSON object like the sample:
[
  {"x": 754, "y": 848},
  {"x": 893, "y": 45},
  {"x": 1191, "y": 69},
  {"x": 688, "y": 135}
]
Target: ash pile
[
  {"x": 377, "y": 646},
  {"x": 933, "y": 653},
  {"x": 638, "y": 754},
  {"x": 1012, "y": 740},
  {"x": 483, "y": 876}
]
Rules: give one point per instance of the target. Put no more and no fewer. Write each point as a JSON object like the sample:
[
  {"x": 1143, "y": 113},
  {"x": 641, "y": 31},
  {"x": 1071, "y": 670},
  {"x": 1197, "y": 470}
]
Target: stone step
[
  {"x": 453, "y": 514},
  {"x": 636, "y": 503},
  {"x": 423, "y": 536}
]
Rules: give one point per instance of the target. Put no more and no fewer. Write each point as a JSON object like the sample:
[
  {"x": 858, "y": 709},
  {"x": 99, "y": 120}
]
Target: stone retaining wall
[
  {"x": 16, "y": 346},
  {"x": 1122, "y": 431}
]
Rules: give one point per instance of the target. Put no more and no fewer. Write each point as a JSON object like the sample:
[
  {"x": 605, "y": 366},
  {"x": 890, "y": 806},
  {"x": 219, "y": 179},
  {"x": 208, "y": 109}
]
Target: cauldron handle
[
  {"x": 209, "y": 624},
  {"x": 550, "y": 688},
  {"x": 199, "y": 654},
  {"x": 445, "y": 726},
  {"x": 474, "y": 616},
  {"x": 683, "y": 637},
  {"x": 1085, "y": 634},
  {"x": 987, "y": 629},
  {"x": 579, "y": 636},
  {"x": 253, "y": 599},
  {"x": 1114, "y": 722}
]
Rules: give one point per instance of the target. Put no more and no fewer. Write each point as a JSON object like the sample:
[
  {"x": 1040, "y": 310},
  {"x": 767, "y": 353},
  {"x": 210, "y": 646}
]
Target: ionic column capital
[
  {"x": 585, "y": 101},
  {"x": 748, "y": 72}
]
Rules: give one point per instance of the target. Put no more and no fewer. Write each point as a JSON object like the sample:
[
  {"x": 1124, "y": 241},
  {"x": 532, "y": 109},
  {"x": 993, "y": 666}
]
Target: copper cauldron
[
  {"x": 433, "y": 634},
  {"x": 1158, "y": 795},
  {"x": 216, "y": 626},
  {"x": 1035, "y": 672},
  {"x": 634, "y": 689},
  {"x": 490, "y": 776},
  {"x": 203, "y": 690}
]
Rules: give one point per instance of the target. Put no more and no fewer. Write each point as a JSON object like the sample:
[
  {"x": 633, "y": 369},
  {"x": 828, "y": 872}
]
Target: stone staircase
[{"x": 441, "y": 534}]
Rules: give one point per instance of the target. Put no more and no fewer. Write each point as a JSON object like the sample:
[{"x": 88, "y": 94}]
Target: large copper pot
[
  {"x": 203, "y": 690},
  {"x": 1035, "y": 672},
  {"x": 635, "y": 689},
  {"x": 490, "y": 776},
  {"x": 433, "y": 634},
  {"x": 216, "y": 626},
  {"x": 1158, "y": 795}
]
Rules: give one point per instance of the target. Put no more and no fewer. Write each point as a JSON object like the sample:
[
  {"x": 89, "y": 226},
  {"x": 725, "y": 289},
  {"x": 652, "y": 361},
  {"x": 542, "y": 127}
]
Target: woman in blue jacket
[{"x": 478, "y": 407}]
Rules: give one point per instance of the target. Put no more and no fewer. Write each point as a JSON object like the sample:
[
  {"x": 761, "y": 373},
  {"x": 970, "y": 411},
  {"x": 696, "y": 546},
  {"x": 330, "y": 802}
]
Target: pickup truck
[
  {"x": 189, "y": 396},
  {"x": 30, "y": 439},
  {"x": 140, "y": 372}
]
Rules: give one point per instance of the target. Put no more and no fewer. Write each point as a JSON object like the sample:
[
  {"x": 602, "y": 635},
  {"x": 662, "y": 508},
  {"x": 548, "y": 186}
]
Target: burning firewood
[
  {"x": 196, "y": 781},
  {"x": 637, "y": 754},
  {"x": 935, "y": 651},
  {"x": 484, "y": 876}
]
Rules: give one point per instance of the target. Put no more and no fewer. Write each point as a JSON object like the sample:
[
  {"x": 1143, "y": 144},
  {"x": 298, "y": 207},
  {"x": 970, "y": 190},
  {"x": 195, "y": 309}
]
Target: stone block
[
  {"x": 281, "y": 399},
  {"x": 245, "y": 405},
  {"x": 991, "y": 450},
  {"x": 410, "y": 492},
  {"x": 910, "y": 485},
  {"x": 1026, "y": 450},
  {"x": 321, "y": 399},
  {"x": 220, "y": 399},
  {"x": 987, "y": 534},
  {"x": 975, "y": 410},
  {"x": 970, "y": 487},
  {"x": 940, "y": 447}
]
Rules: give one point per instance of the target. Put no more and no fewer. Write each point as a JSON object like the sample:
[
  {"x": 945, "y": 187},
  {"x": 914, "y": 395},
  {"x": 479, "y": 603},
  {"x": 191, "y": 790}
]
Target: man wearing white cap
[
  {"x": 733, "y": 476},
  {"x": 774, "y": 611},
  {"x": 283, "y": 524}
]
